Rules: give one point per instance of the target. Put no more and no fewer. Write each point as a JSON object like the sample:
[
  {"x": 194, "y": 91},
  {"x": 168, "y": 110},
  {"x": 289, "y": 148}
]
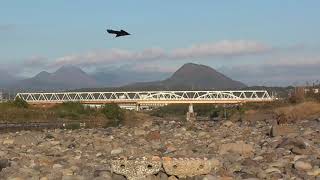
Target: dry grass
[
  {"x": 306, "y": 110},
  {"x": 286, "y": 113},
  {"x": 135, "y": 119}
]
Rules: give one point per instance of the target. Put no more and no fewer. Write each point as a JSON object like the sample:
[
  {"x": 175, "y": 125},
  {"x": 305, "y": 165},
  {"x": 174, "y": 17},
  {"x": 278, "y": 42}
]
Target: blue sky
[{"x": 223, "y": 34}]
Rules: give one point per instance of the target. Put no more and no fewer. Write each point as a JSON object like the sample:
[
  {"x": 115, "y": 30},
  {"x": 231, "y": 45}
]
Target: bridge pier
[
  {"x": 191, "y": 115},
  {"x": 137, "y": 107}
]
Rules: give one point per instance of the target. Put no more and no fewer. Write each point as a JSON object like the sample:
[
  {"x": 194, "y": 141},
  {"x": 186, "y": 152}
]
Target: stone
[
  {"x": 228, "y": 124},
  {"x": 297, "y": 157},
  {"x": 8, "y": 142},
  {"x": 116, "y": 151},
  {"x": 57, "y": 166},
  {"x": 99, "y": 154},
  {"x": 172, "y": 178},
  {"x": 154, "y": 136},
  {"x": 183, "y": 168},
  {"x": 170, "y": 149},
  {"x": 54, "y": 143},
  {"x": 2, "y": 153},
  {"x": 283, "y": 130},
  {"x": 302, "y": 166},
  {"x": 162, "y": 176},
  {"x": 298, "y": 151},
  {"x": 118, "y": 177},
  {"x": 74, "y": 177},
  {"x": 67, "y": 172},
  {"x": 314, "y": 172},
  {"x": 139, "y": 132},
  {"x": 258, "y": 158},
  {"x": 49, "y": 136},
  {"x": 272, "y": 170},
  {"x": 4, "y": 163},
  {"x": 202, "y": 134},
  {"x": 106, "y": 175},
  {"x": 147, "y": 124},
  {"x": 240, "y": 148},
  {"x": 290, "y": 143},
  {"x": 214, "y": 163},
  {"x": 210, "y": 177},
  {"x": 133, "y": 169},
  {"x": 247, "y": 151}
]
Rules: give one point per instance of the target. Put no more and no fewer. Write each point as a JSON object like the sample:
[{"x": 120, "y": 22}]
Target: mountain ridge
[
  {"x": 66, "y": 77},
  {"x": 190, "y": 76},
  {"x": 193, "y": 76}
]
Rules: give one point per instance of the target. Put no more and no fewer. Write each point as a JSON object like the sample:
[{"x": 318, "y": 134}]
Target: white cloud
[
  {"x": 95, "y": 58},
  {"x": 35, "y": 61},
  {"x": 279, "y": 71},
  {"x": 222, "y": 48}
]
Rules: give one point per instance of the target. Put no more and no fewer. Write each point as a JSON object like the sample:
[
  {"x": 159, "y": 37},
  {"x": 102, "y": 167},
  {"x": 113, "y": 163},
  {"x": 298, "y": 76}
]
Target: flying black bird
[{"x": 118, "y": 33}]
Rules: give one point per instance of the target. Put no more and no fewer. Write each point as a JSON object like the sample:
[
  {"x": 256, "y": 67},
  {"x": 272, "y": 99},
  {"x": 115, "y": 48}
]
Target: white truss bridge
[{"x": 149, "y": 97}]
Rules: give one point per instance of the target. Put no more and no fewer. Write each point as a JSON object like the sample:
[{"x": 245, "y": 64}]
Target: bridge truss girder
[{"x": 149, "y": 97}]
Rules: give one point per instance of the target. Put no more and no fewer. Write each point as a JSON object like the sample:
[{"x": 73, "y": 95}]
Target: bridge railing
[{"x": 145, "y": 96}]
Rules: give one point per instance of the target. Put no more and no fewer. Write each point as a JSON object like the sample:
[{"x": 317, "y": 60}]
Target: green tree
[
  {"x": 20, "y": 103},
  {"x": 114, "y": 113}
]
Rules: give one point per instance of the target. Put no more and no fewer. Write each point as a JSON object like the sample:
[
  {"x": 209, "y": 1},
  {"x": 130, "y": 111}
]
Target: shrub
[
  {"x": 73, "y": 110},
  {"x": 171, "y": 109},
  {"x": 297, "y": 96},
  {"x": 20, "y": 103},
  {"x": 73, "y": 126},
  {"x": 114, "y": 113},
  {"x": 215, "y": 113}
]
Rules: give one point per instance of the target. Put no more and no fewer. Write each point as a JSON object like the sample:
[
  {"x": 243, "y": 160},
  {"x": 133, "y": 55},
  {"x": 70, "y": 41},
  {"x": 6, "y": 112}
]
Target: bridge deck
[{"x": 149, "y": 97}]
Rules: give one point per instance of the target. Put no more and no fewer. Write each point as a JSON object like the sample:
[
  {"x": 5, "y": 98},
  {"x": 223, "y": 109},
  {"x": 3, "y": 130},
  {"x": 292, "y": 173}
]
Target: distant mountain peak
[
  {"x": 195, "y": 76},
  {"x": 43, "y": 73},
  {"x": 66, "y": 77}
]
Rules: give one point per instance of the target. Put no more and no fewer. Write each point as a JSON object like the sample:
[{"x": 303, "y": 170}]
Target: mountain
[
  {"x": 192, "y": 76},
  {"x": 189, "y": 76},
  {"x": 6, "y": 78},
  {"x": 67, "y": 77},
  {"x": 121, "y": 77}
]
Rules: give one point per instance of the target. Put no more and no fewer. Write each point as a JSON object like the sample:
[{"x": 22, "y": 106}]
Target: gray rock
[
  {"x": 172, "y": 178},
  {"x": 162, "y": 176},
  {"x": 4, "y": 163},
  {"x": 118, "y": 177},
  {"x": 210, "y": 177}
]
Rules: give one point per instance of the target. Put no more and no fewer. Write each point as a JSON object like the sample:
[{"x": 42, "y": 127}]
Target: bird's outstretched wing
[{"x": 112, "y": 31}]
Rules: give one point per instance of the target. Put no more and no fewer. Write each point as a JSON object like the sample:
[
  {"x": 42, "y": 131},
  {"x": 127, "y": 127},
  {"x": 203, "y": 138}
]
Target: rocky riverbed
[{"x": 234, "y": 150}]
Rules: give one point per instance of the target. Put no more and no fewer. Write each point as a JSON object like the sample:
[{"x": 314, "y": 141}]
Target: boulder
[
  {"x": 228, "y": 124},
  {"x": 239, "y": 148},
  {"x": 292, "y": 143},
  {"x": 302, "y": 166},
  {"x": 4, "y": 163},
  {"x": 283, "y": 130},
  {"x": 8, "y": 142},
  {"x": 139, "y": 132},
  {"x": 116, "y": 151}
]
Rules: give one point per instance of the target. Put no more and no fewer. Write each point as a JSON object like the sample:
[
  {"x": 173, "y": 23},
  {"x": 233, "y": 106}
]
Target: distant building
[
  {"x": 1, "y": 96},
  {"x": 309, "y": 89}
]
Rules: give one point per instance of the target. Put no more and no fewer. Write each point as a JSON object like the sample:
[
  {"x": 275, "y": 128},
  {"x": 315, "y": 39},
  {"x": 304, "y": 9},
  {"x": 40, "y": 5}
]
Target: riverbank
[{"x": 236, "y": 150}]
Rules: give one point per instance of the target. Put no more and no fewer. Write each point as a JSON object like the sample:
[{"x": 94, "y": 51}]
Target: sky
[{"x": 258, "y": 42}]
